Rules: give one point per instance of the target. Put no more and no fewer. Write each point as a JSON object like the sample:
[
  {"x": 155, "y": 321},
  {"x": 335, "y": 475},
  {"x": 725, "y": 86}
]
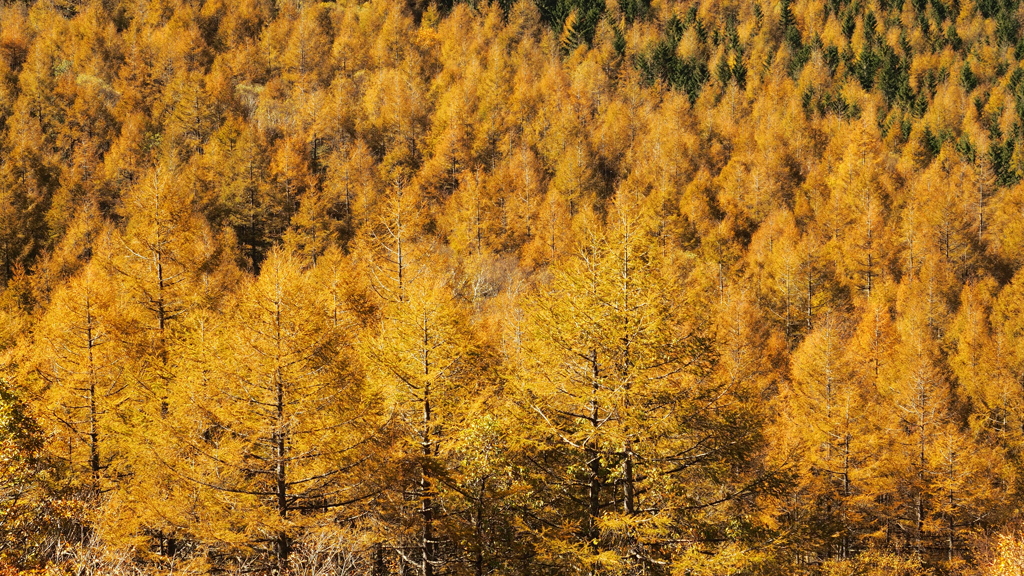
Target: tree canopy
[{"x": 553, "y": 287}]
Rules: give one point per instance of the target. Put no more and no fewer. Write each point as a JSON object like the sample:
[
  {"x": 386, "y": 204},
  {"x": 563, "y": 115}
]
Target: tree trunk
[
  {"x": 280, "y": 473},
  {"x": 594, "y": 463},
  {"x": 427, "y": 510}
]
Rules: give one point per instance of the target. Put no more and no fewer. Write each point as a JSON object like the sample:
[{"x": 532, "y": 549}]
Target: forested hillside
[{"x": 547, "y": 287}]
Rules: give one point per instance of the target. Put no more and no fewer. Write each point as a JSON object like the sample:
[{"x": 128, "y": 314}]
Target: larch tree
[
  {"x": 428, "y": 364},
  {"x": 933, "y": 504},
  {"x": 279, "y": 428},
  {"x": 166, "y": 260},
  {"x": 616, "y": 384},
  {"x": 857, "y": 209},
  {"x": 330, "y": 214},
  {"x": 31, "y": 507},
  {"x": 161, "y": 251},
  {"x": 950, "y": 222},
  {"x": 793, "y": 273},
  {"x": 449, "y": 138},
  {"x": 79, "y": 365},
  {"x": 395, "y": 110},
  {"x": 984, "y": 361},
  {"x": 236, "y": 162},
  {"x": 918, "y": 396},
  {"x": 828, "y": 409}
]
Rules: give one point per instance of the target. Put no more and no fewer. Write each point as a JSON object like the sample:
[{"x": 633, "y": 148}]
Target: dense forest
[{"x": 535, "y": 287}]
